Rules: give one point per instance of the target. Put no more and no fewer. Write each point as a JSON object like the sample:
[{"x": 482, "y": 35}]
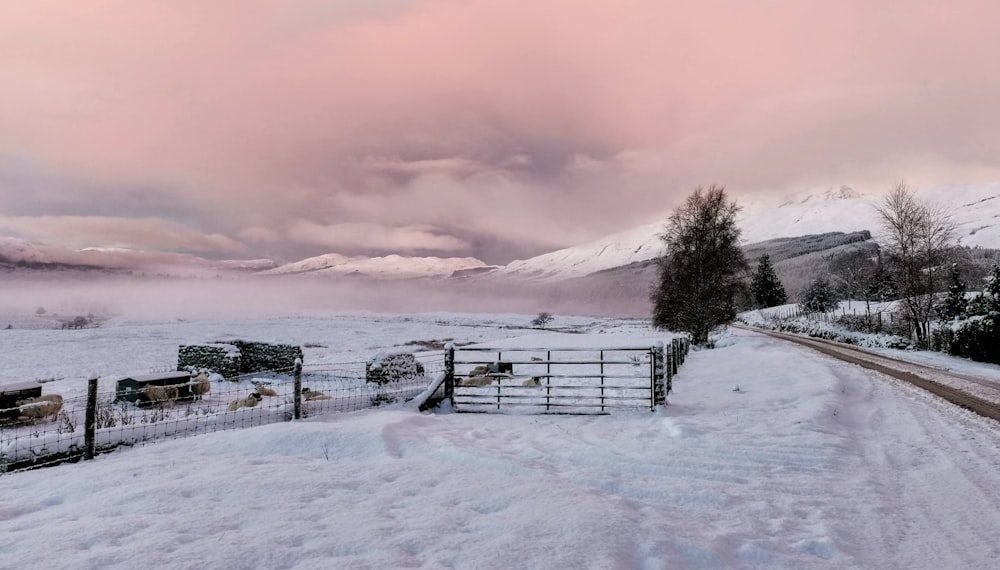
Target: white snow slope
[
  {"x": 390, "y": 266},
  {"x": 811, "y": 464},
  {"x": 976, "y": 213}
]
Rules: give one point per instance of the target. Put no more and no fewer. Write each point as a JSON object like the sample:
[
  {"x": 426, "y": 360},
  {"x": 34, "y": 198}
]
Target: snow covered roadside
[
  {"x": 981, "y": 380},
  {"x": 810, "y": 464}
]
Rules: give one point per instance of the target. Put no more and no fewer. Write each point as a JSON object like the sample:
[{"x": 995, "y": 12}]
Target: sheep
[
  {"x": 201, "y": 385},
  {"x": 533, "y": 381},
  {"x": 164, "y": 396},
  {"x": 477, "y": 381},
  {"x": 264, "y": 390},
  {"x": 250, "y": 401},
  {"x": 311, "y": 395},
  {"x": 40, "y": 407},
  {"x": 43, "y": 398}
]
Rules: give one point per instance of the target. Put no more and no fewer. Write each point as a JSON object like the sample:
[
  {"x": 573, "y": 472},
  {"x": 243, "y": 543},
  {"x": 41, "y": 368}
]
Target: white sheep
[
  {"x": 201, "y": 385},
  {"x": 40, "y": 407},
  {"x": 264, "y": 390},
  {"x": 477, "y": 381},
  {"x": 164, "y": 396},
  {"x": 311, "y": 395},
  {"x": 533, "y": 381},
  {"x": 43, "y": 398},
  {"x": 249, "y": 402}
]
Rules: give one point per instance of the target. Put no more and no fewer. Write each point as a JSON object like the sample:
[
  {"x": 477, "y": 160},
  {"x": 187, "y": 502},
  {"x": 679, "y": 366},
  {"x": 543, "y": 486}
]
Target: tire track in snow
[
  {"x": 901, "y": 370},
  {"x": 923, "y": 478}
]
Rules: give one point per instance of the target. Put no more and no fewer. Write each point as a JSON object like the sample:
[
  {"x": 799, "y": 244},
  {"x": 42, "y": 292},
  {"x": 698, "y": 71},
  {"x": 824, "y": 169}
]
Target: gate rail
[{"x": 561, "y": 380}]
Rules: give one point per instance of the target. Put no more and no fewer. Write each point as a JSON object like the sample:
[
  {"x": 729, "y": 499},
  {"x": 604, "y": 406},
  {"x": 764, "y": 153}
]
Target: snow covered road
[{"x": 811, "y": 463}]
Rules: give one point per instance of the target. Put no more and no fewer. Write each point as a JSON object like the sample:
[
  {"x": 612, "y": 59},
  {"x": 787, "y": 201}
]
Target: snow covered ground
[
  {"x": 981, "y": 379},
  {"x": 769, "y": 455}
]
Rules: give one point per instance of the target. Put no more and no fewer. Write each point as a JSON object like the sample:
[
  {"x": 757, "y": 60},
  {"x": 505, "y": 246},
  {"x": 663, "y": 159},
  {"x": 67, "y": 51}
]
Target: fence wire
[{"x": 32, "y": 443}]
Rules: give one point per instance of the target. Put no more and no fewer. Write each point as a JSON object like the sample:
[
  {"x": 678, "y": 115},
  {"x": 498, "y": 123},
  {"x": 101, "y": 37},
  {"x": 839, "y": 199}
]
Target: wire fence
[{"x": 237, "y": 402}]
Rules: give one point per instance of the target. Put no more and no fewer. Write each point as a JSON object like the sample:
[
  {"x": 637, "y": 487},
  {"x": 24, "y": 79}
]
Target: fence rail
[
  {"x": 561, "y": 380},
  {"x": 103, "y": 421},
  {"x": 588, "y": 380}
]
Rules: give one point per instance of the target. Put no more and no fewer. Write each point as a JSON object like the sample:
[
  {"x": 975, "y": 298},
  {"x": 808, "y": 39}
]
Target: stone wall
[
  {"x": 261, "y": 356},
  {"x": 230, "y": 359},
  {"x": 223, "y": 359}
]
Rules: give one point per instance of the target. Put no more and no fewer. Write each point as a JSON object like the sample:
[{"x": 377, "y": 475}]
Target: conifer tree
[
  {"x": 765, "y": 286},
  {"x": 955, "y": 303},
  {"x": 993, "y": 284},
  {"x": 818, "y": 297}
]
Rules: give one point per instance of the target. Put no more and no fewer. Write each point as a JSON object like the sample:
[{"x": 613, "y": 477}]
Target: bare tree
[
  {"x": 918, "y": 243},
  {"x": 541, "y": 320},
  {"x": 703, "y": 267}
]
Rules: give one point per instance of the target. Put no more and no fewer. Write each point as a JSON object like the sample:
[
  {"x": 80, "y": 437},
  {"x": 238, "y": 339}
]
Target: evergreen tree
[
  {"x": 765, "y": 286},
  {"x": 818, "y": 297},
  {"x": 993, "y": 284},
  {"x": 955, "y": 303},
  {"x": 882, "y": 287},
  {"x": 701, "y": 272}
]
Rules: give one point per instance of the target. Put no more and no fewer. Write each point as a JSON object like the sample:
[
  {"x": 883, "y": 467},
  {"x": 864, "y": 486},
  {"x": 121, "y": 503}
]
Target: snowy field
[{"x": 768, "y": 456}]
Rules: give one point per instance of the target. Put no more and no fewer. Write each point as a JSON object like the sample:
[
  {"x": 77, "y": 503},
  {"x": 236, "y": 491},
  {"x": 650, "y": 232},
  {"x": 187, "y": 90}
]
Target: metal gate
[{"x": 558, "y": 380}]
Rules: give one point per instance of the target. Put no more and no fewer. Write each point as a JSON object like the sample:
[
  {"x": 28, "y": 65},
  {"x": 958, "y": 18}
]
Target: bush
[
  {"x": 818, "y": 297},
  {"x": 978, "y": 306},
  {"x": 386, "y": 368},
  {"x": 977, "y": 338}
]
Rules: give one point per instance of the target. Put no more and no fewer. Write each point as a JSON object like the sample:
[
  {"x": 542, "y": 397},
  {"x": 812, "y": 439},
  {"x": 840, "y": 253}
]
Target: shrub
[
  {"x": 818, "y": 297},
  {"x": 977, "y": 338},
  {"x": 386, "y": 368}
]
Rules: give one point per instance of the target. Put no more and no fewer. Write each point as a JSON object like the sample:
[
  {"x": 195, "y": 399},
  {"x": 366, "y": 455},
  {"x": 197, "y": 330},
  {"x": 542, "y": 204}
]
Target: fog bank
[{"x": 82, "y": 293}]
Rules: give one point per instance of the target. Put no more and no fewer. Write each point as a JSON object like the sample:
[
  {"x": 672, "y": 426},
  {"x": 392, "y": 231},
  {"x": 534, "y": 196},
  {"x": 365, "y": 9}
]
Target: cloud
[
  {"x": 150, "y": 233},
  {"x": 360, "y": 235},
  {"x": 514, "y": 127}
]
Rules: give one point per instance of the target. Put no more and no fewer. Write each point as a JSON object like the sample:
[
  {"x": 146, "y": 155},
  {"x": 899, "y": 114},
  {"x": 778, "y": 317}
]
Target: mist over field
[{"x": 154, "y": 297}]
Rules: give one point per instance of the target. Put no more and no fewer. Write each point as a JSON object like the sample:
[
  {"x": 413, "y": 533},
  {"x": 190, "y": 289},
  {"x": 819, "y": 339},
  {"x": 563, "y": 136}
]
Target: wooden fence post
[
  {"x": 449, "y": 373},
  {"x": 90, "y": 421},
  {"x": 297, "y": 390}
]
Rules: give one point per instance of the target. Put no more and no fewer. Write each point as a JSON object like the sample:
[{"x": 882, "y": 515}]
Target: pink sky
[{"x": 488, "y": 128}]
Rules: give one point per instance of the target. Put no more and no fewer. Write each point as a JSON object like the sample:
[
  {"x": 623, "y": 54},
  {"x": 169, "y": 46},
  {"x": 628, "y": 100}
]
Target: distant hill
[
  {"x": 976, "y": 214},
  {"x": 388, "y": 267},
  {"x": 625, "y": 290}
]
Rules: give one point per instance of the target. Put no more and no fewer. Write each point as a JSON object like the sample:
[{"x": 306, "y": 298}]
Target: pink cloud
[
  {"x": 372, "y": 236},
  {"x": 86, "y": 231},
  {"x": 532, "y": 125}
]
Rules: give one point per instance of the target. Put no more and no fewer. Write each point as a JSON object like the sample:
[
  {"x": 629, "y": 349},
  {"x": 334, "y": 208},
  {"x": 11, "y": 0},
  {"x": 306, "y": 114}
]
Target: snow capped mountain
[
  {"x": 975, "y": 212},
  {"x": 13, "y": 250},
  {"x": 247, "y": 264},
  {"x": 637, "y": 244},
  {"x": 388, "y": 267}
]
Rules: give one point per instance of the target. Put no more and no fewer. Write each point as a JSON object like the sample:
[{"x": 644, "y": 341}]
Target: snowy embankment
[
  {"x": 788, "y": 318},
  {"x": 810, "y": 463},
  {"x": 979, "y": 379}
]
